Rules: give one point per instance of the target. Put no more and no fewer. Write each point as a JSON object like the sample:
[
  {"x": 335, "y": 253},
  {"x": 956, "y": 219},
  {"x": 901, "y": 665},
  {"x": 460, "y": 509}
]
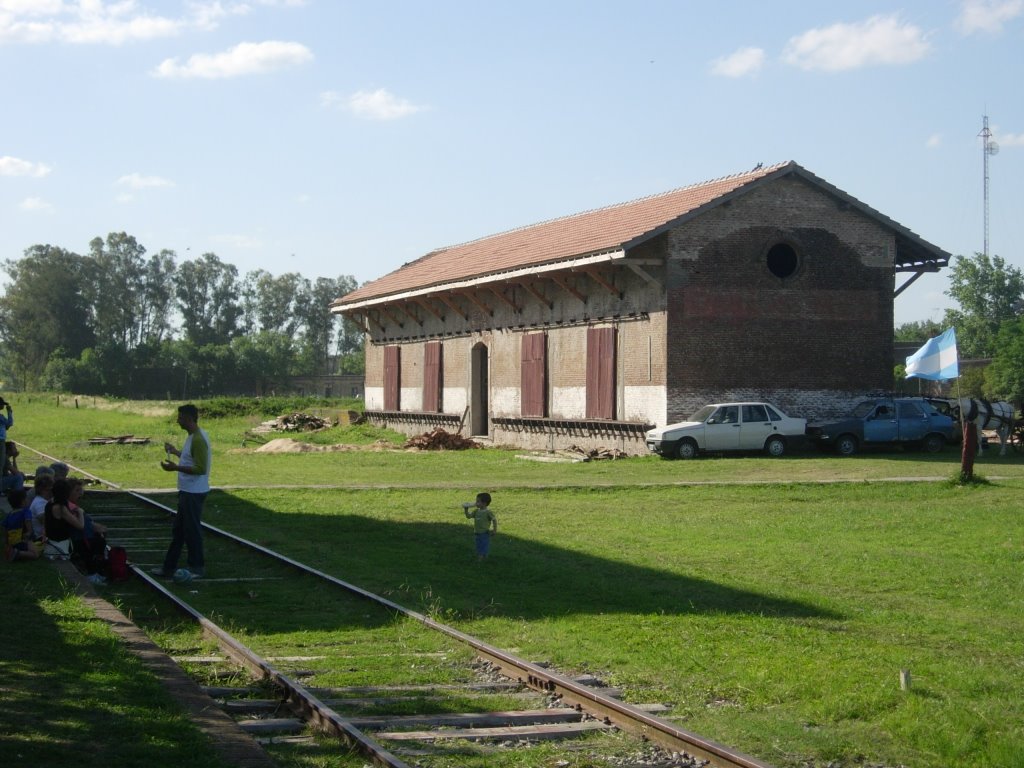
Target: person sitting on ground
[
  {"x": 66, "y": 520},
  {"x": 43, "y": 487},
  {"x": 13, "y": 478},
  {"x": 17, "y": 525},
  {"x": 42, "y": 469}
]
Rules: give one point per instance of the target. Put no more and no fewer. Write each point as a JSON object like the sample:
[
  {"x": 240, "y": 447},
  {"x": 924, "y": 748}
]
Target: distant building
[{"x": 592, "y": 328}]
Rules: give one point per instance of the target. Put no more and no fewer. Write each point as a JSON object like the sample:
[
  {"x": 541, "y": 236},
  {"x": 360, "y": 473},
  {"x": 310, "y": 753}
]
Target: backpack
[{"x": 117, "y": 564}]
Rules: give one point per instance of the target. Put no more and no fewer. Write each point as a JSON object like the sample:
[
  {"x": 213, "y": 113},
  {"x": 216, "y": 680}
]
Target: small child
[
  {"x": 18, "y": 529},
  {"x": 485, "y": 524}
]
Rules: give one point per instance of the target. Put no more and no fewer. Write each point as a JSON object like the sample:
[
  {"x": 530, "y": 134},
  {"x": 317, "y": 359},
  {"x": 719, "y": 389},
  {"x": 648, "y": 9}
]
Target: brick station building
[{"x": 590, "y": 329}]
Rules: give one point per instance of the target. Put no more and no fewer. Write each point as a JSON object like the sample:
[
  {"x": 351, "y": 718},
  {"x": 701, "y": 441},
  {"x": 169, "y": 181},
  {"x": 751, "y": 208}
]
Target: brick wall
[{"x": 808, "y": 342}]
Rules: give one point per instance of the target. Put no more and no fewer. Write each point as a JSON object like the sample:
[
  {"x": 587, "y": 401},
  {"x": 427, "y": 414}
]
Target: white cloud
[
  {"x": 879, "y": 40},
  {"x": 934, "y": 141},
  {"x": 138, "y": 181},
  {"x": 745, "y": 61},
  {"x": 35, "y": 205},
  {"x": 13, "y": 166},
  {"x": 84, "y": 21},
  {"x": 371, "y": 105},
  {"x": 111, "y": 22},
  {"x": 1009, "y": 139},
  {"x": 987, "y": 15},
  {"x": 243, "y": 59}
]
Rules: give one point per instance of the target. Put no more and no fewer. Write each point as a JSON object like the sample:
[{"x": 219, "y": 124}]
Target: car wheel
[
  {"x": 846, "y": 445},
  {"x": 775, "y": 446},
  {"x": 687, "y": 449},
  {"x": 933, "y": 443}
]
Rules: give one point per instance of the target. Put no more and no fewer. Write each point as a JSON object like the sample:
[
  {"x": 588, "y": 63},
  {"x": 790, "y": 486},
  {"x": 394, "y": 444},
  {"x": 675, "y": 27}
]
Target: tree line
[
  {"x": 989, "y": 323},
  {"x": 117, "y": 322}
]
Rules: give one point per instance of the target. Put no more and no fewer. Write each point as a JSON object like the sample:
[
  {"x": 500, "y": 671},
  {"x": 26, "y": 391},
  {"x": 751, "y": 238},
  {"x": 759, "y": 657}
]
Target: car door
[
  {"x": 722, "y": 429},
  {"x": 880, "y": 426},
  {"x": 755, "y": 426},
  {"x": 913, "y": 421}
]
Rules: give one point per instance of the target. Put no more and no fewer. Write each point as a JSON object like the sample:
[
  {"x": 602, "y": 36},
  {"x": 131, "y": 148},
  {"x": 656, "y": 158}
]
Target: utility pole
[{"x": 988, "y": 148}]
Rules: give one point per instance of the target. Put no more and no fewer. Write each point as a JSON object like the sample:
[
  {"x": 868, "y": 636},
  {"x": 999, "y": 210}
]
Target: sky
[{"x": 330, "y": 138}]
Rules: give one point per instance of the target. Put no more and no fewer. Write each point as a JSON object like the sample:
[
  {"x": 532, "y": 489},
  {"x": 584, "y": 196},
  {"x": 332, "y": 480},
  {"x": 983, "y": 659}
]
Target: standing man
[
  {"x": 6, "y": 422},
  {"x": 193, "y": 468}
]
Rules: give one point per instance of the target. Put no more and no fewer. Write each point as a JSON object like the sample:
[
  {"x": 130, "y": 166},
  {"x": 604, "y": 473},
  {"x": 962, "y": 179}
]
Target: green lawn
[{"x": 773, "y": 611}]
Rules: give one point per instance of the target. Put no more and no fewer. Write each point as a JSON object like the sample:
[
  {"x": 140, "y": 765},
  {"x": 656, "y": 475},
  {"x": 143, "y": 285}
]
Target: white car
[{"x": 728, "y": 427}]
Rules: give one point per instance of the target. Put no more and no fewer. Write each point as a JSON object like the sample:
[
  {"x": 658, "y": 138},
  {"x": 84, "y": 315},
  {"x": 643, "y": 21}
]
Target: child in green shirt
[{"x": 485, "y": 524}]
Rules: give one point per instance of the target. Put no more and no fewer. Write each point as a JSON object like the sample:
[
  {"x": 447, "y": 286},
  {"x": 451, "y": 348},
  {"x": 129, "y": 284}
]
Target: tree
[
  {"x": 323, "y": 332},
  {"x": 918, "y": 330},
  {"x": 269, "y": 302},
  {"x": 130, "y": 297},
  {"x": 988, "y": 292},
  {"x": 1004, "y": 378},
  {"x": 44, "y": 309},
  {"x": 207, "y": 290}
]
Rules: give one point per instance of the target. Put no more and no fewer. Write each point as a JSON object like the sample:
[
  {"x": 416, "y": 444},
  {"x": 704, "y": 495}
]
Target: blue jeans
[
  {"x": 483, "y": 543},
  {"x": 187, "y": 530}
]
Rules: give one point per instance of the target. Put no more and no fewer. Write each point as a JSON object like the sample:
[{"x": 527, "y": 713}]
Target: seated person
[
  {"x": 18, "y": 544},
  {"x": 42, "y": 469},
  {"x": 43, "y": 487},
  {"x": 64, "y": 520},
  {"x": 13, "y": 478}
]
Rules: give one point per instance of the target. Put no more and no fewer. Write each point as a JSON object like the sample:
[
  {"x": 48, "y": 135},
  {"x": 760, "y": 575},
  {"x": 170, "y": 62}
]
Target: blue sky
[{"x": 329, "y": 137}]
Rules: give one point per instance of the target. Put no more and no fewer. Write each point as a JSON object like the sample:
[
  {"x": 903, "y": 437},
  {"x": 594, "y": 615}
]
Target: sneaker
[
  {"x": 158, "y": 572},
  {"x": 97, "y": 579}
]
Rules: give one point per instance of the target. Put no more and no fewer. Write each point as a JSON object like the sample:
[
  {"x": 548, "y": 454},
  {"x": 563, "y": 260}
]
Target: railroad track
[{"x": 436, "y": 694}]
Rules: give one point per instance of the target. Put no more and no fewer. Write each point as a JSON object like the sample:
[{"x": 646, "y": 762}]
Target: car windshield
[
  {"x": 703, "y": 413},
  {"x": 864, "y": 409}
]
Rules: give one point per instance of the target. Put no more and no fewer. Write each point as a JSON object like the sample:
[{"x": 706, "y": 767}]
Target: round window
[{"x": 782, "y": 260}]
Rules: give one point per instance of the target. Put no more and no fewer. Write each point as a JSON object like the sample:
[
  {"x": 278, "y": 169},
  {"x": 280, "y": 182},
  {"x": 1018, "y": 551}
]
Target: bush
[{"x": 227, "y": 407}]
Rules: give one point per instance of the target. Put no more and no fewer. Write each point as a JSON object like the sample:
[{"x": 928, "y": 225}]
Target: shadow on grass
[
  {"x": 432, "y": 566},
  {"x": 71, "y": 696}
]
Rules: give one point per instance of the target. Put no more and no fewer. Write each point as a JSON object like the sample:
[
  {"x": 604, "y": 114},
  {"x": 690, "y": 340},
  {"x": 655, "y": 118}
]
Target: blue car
[{"x": 910, "y": 422}]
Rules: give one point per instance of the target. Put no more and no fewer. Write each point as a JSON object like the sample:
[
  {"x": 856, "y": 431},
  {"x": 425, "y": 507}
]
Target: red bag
[{"x": 117, "y": 564}]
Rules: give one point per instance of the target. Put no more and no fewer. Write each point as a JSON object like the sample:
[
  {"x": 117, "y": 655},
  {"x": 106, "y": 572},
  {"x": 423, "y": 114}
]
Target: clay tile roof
[{"x": 581, "y": 234}]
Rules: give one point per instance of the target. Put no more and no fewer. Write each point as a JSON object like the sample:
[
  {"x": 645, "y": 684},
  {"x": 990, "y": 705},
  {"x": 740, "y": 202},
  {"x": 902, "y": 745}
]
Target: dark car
[{"x": 885, "y": 422}]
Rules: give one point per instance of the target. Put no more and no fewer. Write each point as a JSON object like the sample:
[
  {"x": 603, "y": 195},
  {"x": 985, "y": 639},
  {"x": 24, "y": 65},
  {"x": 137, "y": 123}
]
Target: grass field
[{"x": 773, "y": 603}]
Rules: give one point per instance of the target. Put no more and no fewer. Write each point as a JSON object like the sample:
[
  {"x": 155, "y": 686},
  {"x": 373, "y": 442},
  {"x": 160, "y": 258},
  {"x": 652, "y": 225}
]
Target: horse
[{"x": 987, "y": 415}]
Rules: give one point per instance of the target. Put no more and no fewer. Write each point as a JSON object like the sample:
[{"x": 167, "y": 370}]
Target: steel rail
[
  {"x": 610, "y": 710},
  {"x": 300, "y": 697}
]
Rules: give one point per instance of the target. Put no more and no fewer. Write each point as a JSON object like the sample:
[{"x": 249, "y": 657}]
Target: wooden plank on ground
[{"x": 524, "y": 732}]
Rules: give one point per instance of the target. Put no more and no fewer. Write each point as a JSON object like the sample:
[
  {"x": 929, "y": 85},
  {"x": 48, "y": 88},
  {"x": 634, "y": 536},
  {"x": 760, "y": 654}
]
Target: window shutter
[
  {"x": 600, "y": 373},
  {"x": 392, "y": 377},
  {"x": 432, "y": 376},
  {"x": 533, "y": 385}
]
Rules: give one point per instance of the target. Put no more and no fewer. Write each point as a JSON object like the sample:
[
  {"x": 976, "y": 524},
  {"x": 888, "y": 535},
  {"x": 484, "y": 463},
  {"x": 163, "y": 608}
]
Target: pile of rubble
[
  {"x": 293, "y": 422},
  {"x": 593, "y": 454},
  {"x": 439, "y": 440}
]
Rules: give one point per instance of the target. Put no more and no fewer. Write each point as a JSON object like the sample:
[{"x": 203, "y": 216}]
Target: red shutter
[
  {"x": 533, "y": 382},
  {"x": 392, "y": 377},
  {"x": 600, "y": 373},
  {"x": 432, "y": 377}
]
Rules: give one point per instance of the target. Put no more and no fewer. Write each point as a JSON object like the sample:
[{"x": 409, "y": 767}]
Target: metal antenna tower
[{"x": 988, "y": 148}]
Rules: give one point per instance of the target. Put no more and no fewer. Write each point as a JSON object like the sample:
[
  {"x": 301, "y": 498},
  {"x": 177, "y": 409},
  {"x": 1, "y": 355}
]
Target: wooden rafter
[
  {"x": 642, "y": 272},
  {"x": 598, "y": 278},
  {"x": 407, "y": 310},
  {"x": 386, "y": 311},
  {"x": 454, "y": 307},
  {"x": 503, "y": 297},
  {"x": 370, "y": 321},
  {"x": 565, "y": 286},
  {"x": 425, "y": 303},
  {"x": 537, "y": 294},
  {"x": 483, "y": 307}
]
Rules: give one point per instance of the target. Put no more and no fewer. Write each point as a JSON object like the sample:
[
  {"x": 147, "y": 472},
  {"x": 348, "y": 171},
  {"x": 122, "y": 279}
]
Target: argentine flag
[{"x": 936, "y": 360}]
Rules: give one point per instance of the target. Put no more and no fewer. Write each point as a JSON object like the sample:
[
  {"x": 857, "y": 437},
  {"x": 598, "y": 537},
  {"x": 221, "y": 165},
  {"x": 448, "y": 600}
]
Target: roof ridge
[{"x": 763, "y": 171}]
